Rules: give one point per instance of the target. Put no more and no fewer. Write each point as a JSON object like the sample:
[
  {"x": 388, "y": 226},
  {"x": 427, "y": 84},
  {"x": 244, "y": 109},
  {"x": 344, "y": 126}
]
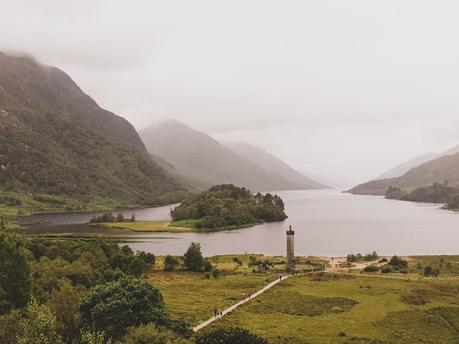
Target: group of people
[{"x": 217, "y": 314}]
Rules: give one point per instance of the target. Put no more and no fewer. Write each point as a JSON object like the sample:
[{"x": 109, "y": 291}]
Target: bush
[
  {"x": 170, "y": 263},
  {"x": 398, "y": 262},
  {"x": 386, "y": 270},
  {"x": 230, "y": 335},
  {"x": 151, "y": 334},
  {"x": 370, "y": 268}
]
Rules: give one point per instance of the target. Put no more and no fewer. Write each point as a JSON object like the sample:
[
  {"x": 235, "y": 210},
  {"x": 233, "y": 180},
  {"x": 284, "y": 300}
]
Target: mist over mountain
[
  {"x": 198, "y": 155},
  {"x": 272, "y": 163},
  {"x": 55, "y": 139}
]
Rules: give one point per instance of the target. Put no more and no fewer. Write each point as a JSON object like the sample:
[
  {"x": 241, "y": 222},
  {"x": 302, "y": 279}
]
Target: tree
[
  {"x": 193, "y": 259},
  {"x": 39, "y": 325},
  {"x": 230, "y": 335},
  {"x": 94, "y": 337},
  {"x": 64, "y": 302},
  {"x": 170, "y": 263},
  {"x": 136, "y": 267},
  {"x": 15, "y": 273},
  {"x": 119, "y": 218},
  {"x": 9, "y": 329},
  {"x": 115, "y": 306}
]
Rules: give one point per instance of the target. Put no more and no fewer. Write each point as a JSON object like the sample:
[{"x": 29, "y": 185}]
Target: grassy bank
[
  {"x": 145, "y": 226},
  {"x": 185, "y": 226}
]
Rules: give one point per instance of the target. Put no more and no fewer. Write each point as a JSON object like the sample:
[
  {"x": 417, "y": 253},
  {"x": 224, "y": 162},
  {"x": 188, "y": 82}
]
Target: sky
[{"x": 341, "y": 89}]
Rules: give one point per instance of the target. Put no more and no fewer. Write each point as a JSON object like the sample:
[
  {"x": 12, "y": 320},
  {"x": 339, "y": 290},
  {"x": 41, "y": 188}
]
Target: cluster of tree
[
  {"x": 110, "y": 218},
  {"x": 395, "y": 264},
  {"x": 352, "y": 258},
  {"x": 193, "y": 260},
  {"x": 88, "y": 292},
  {"x": 45, "y": 284},
  {"x": 227, "y": 206},
  {"x": 435, "y": 193}
]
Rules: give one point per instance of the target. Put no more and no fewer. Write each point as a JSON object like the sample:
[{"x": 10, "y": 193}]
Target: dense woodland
[
  {"x": 91, "y": 292},
  {"x": 227, "y": 205}
]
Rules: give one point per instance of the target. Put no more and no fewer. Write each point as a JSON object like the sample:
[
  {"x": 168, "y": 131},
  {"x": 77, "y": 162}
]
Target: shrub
[
  {"x": 370, "y": 268},
  {"x": 170, "y": 263},
  {"x": 386, "y": 270},
  {"x": 398, "y": 262},
  {"x": 230, "y": 335}
]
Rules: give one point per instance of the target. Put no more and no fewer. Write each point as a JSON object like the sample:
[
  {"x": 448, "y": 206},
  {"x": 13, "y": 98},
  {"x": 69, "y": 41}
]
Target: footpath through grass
[
  {"x": 336, "y": 308},
  {"x": 322, "y": 308}
]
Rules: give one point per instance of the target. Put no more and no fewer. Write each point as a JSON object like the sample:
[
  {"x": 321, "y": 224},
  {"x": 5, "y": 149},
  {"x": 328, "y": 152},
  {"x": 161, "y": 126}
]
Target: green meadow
[{"x": 344, "y": 307}]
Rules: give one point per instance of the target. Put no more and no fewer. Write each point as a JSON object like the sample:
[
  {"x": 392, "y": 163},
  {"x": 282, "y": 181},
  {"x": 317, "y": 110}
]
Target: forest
[{"x": 227, "y": 205}]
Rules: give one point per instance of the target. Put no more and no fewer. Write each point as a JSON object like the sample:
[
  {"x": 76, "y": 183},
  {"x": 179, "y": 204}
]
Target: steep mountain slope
[
  {"x": 445, "y": 168},
  {"x": 272, "y": 163},
  {"x": 197, "y": 155},
  {"x": 54, "y": 139}
]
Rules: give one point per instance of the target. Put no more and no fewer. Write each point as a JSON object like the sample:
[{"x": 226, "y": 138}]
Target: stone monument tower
[{"x": 290, "y": 248}]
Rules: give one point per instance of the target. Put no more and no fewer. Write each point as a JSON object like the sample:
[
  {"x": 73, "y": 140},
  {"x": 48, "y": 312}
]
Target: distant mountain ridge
[
  {"x": 404, "y": 167},
  {"x": 272, "y": 163},
  {"x": 444, "y": 169},
  {"x": 55, "y": 139},
  {"x": 198, "y": 155}
]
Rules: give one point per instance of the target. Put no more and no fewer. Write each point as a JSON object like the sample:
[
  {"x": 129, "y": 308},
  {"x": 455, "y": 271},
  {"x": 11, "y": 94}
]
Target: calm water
[{"x": 326, "y": 222}]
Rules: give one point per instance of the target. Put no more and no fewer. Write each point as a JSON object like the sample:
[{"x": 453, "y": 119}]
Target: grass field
[
  {"x": 145, "y": 226},
  {"x": 194, "y": 297},
  {"x": 323, "y": 307},
  {"x": 354, "y": 309}
]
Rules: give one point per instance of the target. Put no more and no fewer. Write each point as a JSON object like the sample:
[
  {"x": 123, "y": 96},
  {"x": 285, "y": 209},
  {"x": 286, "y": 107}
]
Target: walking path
[{"x": 240, "y": 303}]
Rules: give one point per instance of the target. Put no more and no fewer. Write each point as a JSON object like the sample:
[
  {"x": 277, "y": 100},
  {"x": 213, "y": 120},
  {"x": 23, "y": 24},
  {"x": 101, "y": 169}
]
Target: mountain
[
  {"x": 404, "y": 167},
  {"x": 199, "y": 156},
  {"x": 55, "y": 139},
  {"x": 440, "y": 170},
  {"x": 272, "y": 163}
]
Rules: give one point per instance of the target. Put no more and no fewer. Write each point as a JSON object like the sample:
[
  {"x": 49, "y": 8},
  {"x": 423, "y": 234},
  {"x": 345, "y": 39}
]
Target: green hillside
[{"x": 55, "y": 140}]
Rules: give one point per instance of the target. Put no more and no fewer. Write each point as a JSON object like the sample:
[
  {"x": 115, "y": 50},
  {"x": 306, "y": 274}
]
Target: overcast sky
[{"x": 344, "y": 89}]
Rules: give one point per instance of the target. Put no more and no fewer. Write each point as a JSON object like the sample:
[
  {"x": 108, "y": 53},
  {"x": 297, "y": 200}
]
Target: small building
[{"x": 290, "y": 249}]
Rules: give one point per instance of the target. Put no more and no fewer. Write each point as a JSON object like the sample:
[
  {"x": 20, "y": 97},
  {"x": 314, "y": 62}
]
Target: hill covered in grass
[
  {"x": 55, "y": 140},
  {"x": 228, "y": 206}
]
